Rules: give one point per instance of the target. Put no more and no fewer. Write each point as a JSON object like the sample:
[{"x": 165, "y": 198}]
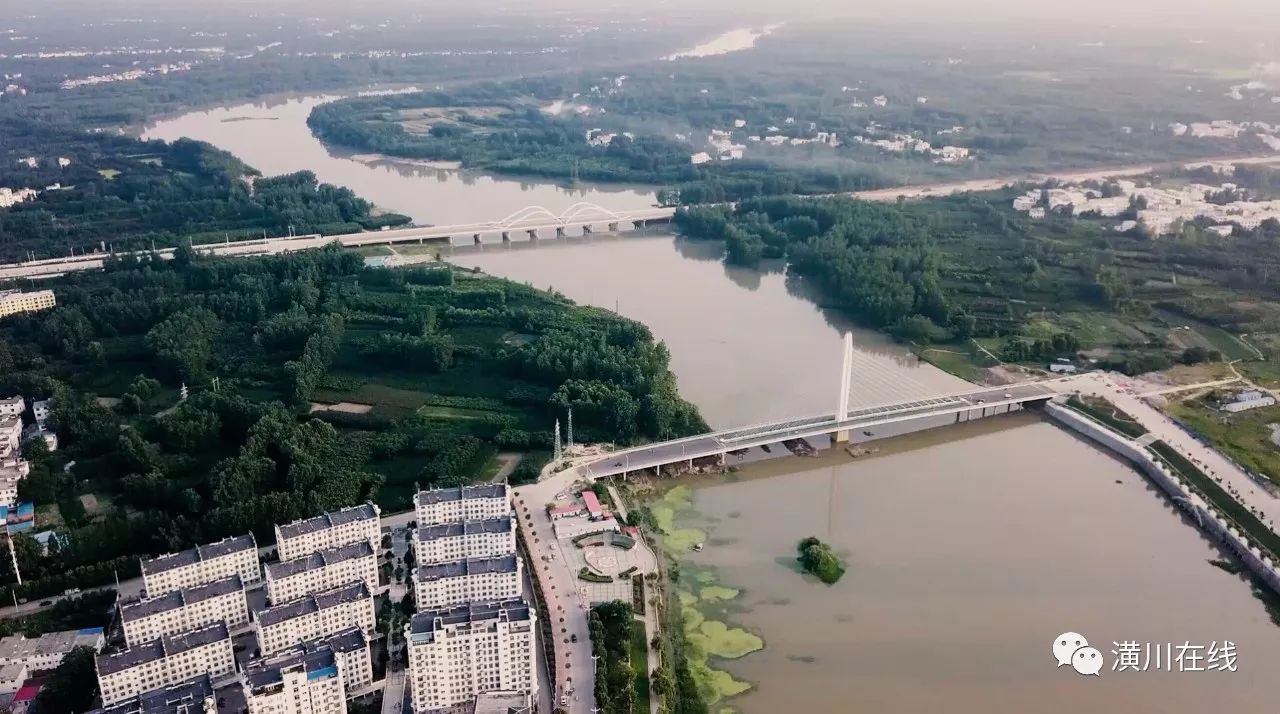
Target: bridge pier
[
  {"x": 559, "y": 232},
  {"x": 639, "y": 225},
  {"x": 533, "y": 233},
  {"x": 476, "y": 239},
  {"x": 613, "y": 227},
  {"x": 586, "y": 230},
  {"x": 506, "y": 237}
]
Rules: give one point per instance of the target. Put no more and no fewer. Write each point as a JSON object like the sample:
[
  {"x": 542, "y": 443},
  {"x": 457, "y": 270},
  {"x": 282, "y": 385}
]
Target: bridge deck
[{"x": 669, "y": 452}]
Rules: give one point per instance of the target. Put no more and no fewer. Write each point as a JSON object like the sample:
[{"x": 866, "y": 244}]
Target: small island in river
[{"x": 818, "y": 559}]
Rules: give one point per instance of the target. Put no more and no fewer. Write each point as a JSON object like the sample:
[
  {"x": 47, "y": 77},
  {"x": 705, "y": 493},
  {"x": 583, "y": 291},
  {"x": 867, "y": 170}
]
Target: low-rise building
[
  {"x": 10, "y": 432},
  {"x": 1251, "y": 399},
  {"x": 165, "y": 662},
  {"x": 503, "y": 703},
  {"x": 315, "y": 617},
  {"x": 438, "y": 585},
  {"x": 192, "y": 697},
  {"x": 184, "y": 610},
  {"x": 324, "y": 570},
  {"x": 12, "y": 676},
  {"x": 41, "y": 409},
  {"x": 12, "y": 406},
  {"x": 202, "y": 564},
  {"x": 13, "y": 302},
  {"x": 462, "y": 503},
  {"x": 459, "y": 653},
  {"x": 45, "y": 652},
  {"x": 465, "y": 539}
]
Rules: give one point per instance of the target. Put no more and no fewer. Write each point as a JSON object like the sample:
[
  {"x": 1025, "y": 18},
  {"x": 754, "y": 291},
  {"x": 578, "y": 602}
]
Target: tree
[{"x": 73, "y": 686}]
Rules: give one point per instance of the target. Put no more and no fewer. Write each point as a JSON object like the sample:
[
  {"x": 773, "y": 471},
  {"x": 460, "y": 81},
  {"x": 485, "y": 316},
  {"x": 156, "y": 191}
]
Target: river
[
  {"x": 969, "y": 549},
  {"x": 273, "y": 137}
]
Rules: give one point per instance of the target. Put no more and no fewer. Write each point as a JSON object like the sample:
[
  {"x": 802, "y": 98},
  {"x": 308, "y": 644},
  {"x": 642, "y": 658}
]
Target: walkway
[
  {"x": 1168, "y": 431},
  {"x": 567, "y": 609}
]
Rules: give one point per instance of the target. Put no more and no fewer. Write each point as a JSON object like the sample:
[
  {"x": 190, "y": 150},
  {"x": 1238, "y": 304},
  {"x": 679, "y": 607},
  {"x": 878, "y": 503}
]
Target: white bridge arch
[{"x": 581, "y": 211}]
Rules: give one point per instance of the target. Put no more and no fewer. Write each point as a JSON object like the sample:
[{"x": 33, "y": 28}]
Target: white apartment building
[
  {"x": 202, "y": 564},
  {"x": 463, "y": 503},
  {"x": 444, "y": 542},
  {"x": 322, "y": 571},
  {"x": 439, "y": 585},
  {"x": 330, "y": 530},
  {"x": 12, "y": 406},
  {"x": 10, "y": 432},
  {"x": 313, "y": 678},
  {"x": 460, "y": 653},
  {"x": 192, "y": 697},
  {"x": 296, "y": 683},
  {"x": 46, "y": 651},
  {"x": 183, "y": 610},
  {"x": 315, "y": 617},
  {"x": 13, "y": 302},
  {"x": 165, "y": 662}
]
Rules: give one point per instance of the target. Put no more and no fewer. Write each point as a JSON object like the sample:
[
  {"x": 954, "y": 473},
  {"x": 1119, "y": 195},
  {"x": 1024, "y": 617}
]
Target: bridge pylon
[{"x": 846, "y": 377}]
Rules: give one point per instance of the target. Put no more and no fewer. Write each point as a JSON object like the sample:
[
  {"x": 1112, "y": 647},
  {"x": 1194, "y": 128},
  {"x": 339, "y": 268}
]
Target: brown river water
[{"x": 969, "y": 548}]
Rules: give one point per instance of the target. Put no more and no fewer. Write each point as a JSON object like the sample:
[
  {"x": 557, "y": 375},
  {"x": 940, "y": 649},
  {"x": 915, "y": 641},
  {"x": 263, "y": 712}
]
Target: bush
[
  {"x": 818, "y": 559},
  {"x": 592, "y": 577}
]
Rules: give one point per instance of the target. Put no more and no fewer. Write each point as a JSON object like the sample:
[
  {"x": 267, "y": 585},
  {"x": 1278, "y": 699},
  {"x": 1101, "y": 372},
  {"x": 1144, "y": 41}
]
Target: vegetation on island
[
  {"x": 206, "y": 397},
  {"x": 817, "y": 558}
]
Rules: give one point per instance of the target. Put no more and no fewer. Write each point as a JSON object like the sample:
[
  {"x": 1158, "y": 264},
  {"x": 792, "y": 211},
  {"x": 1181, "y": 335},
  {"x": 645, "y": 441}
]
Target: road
[
  {"x": 567, "y": 609},
  {"x": 1114, "y": 388},
  {"x": 863, "y": 418}
]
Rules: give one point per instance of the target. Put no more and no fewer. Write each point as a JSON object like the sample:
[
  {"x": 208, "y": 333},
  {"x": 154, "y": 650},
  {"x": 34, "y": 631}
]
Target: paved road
[
  {"x": 1114, "y": 388},
  {"x": 568, "y": 611},
  {"x": 863, "y": 418}
]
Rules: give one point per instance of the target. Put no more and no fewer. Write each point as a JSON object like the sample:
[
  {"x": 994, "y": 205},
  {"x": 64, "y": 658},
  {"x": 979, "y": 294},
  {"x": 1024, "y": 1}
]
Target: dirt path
[{"x": 509, "y": 463}]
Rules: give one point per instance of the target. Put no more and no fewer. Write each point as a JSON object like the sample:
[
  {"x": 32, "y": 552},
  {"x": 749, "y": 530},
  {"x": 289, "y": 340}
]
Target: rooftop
[
  {"x": 458, "y": 528},
  {"x": 322, "y": 559},
  {"x": 313, "y": 603},
  {"x": 15, "y": 400},
  {"x": 363, "y": 512},
  {"x": 147, "y": 607},
  {"x": 426, "y": 623},
  {"x": 467, "y": 566},
  {"x": 200, "y": 553},
  {"x": 167, "y": 646},
  {"x": 442, "y": 495},
  {"x": 502, "y": 703},
  {"x": 264, "y": 674},
  {"x": 19, "y": 647},
  {"x": 185, "y": 698}
]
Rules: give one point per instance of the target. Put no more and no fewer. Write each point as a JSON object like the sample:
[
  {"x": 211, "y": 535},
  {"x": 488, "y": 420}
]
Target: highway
[{"x": 532, "y": 221}]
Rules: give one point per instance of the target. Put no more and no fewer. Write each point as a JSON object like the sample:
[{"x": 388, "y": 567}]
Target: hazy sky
[{"x": 1042, "y": 15}]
